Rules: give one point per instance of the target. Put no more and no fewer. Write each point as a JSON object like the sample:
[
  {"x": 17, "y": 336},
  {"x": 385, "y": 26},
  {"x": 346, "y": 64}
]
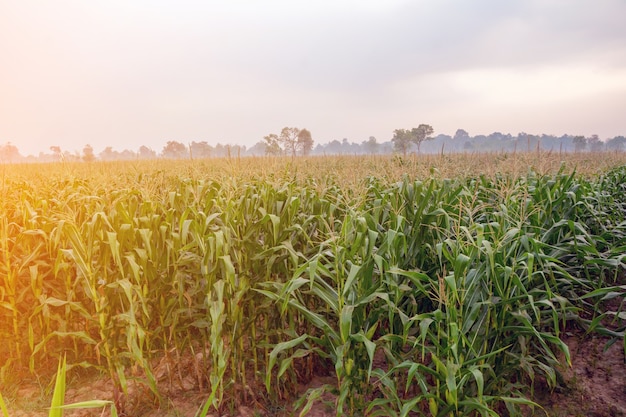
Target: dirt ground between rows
[{"x": 595, "y": 386}]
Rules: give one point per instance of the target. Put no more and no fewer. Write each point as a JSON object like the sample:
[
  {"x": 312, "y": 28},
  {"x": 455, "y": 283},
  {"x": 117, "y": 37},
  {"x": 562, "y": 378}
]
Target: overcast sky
[{"x": 126, "y": 73}]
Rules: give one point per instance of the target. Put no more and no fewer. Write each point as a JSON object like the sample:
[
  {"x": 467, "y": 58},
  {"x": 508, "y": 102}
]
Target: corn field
[{"x": 422, "y": 290}]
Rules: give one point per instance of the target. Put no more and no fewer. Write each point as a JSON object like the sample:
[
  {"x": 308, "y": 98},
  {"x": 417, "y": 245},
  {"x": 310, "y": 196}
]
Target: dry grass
[{"x": 348, "y": 171}]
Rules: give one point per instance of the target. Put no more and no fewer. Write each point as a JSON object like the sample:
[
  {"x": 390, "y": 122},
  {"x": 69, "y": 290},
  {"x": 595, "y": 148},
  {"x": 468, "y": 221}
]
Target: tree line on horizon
[{"x": 293, "y": 141}]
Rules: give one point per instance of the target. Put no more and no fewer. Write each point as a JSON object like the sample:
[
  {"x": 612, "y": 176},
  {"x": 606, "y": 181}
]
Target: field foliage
[{"x": 434, "y": 285}]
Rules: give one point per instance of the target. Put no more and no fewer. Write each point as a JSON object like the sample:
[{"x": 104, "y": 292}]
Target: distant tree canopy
[
  {"x": 146, "y": 153},
  {"x": 461, "y": 135},
  {"x": 617, "y": 143},
  {"x": 109, "y": 154},
  {"x": 56, "y": 152},
  {"x": 88, "y": 155},
  {"x": 9, "y": 153},
  {"x": 289, "y": 142},
  {"x": 200, "y": 149},
  {"x": 580, "y": 143},
  {"x": 272, "y": 147},
  {"x": 404, "y": 138},
  {"x": 305, "y": 142},
  {"x": 293, "y": 141},
  {"x": 595, "y": 144},
  {"x": 174, "y": 150},
  {"x": 371, "y": 145}
]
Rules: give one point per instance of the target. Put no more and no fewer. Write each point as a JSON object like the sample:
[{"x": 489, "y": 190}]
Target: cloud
[
  {"x": 353, "y": 50},
  {"x": 236, "y": 70}
]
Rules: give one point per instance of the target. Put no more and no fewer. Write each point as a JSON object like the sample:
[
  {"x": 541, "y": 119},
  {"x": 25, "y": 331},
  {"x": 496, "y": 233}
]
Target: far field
[{"x": 432, "y": 285}]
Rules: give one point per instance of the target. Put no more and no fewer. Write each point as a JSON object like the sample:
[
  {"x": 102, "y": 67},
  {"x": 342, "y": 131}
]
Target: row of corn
[{"x": 421, "y": 297}]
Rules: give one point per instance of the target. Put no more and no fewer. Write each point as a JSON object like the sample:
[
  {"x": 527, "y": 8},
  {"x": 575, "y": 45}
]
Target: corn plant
[
  {"x": 3, "y": 407},
  {"x": 429, "y": 285}
]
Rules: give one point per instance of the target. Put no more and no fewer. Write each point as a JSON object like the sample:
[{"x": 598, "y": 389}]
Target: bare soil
[{"x": 595, "y": 386}]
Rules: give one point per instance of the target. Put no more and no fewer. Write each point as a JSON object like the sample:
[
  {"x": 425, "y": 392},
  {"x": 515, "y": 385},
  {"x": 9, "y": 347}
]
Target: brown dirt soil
[{"x": 595, "y": 385}]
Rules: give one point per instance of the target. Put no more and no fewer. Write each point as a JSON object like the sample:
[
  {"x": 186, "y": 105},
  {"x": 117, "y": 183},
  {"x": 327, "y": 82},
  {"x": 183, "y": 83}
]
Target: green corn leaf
[
  {"x": 410, "y": 405},
  {"x": 352, "y": 275},
  {"x": 58, "y": 396},
  {"x": 370, "y": 347},
  {"x": 480, "y": 382},
  {"x": 87, "y": 404},
  {"x": 3, "y": 407},
  {"x": 311, "y": 396},
  {"x": 345, "y": 322},
  {"x": 204, "y": 410},
  {"x": 286, "y": 363},
  {"x": 474, "y": 404},
  {"x": 278, "y": 348}
]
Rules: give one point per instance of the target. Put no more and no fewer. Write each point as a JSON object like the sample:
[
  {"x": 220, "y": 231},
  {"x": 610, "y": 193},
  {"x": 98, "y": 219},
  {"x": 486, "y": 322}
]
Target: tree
[
  {"x": 237, "y": 150},
  {"x": 272, "y": 147},
  {"x": 220, "y": 150},
  {"x": 56, "y": 151},
  {"x": 580, "y": 142},
  {"x": 333, "y": 147},
  {"x": 370, "y": 145},
  {"x": 108, "y": 154},
  {"x": 289, "y": 140},
  {"x": 68, "y": 156},
  {"x": 617, "y": 143},
  {"x": 127, "y": 155},
  {"x": 88, "y": 155},
  {"x": 421, "y": 133},
  {"x": 595, "y": 144},
  {"x": 402, "y": 140},
  {"x": 146, "y": 153},
  {"x": 9, "y": 153},
  {"x": 174, "y": 150},
  {"x": 200, "y": 149},
  {"x": 305, "y": 141},
  {"x": 257, "y": 149},
  {"x": 350, "y": 148},
  {"x": 461, "y": 135}
]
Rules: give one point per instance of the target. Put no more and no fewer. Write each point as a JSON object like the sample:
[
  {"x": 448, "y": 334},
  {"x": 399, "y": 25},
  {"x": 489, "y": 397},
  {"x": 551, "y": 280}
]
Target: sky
[{"x": 126, "y": 73}]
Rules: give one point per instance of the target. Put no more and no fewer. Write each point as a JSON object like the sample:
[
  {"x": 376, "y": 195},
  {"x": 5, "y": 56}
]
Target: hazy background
[{"x": 125, "y": 73}]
